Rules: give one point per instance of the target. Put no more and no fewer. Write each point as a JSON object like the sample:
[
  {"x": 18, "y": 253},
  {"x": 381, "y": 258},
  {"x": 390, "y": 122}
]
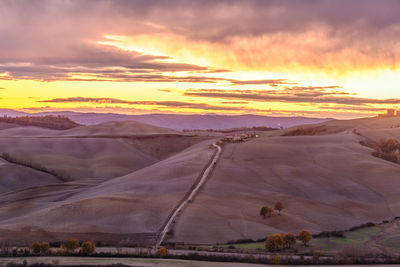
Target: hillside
[
  {"x": 100, "y": 151},
  {"x": 125, "y": 207},
  {"x": 125, "y": 186},
  {"x": 326, "y": 182},
  {"x": 48, "y": 121},
  {"x": 180, "y": 122}
]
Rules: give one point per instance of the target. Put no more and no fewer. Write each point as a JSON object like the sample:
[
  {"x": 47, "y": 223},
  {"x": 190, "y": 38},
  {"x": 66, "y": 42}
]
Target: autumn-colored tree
[
  {"x": 36, "y": 247},
  {"x": 266, "y": 210},
  {"x": 162, "y": 252},
  {"x": 289, "y": 240},
  {"x": 71, "y": 244},
  {"x": 279, "y": 206},
  {"x": 305, "y": 236},
  {"x": 274, "y": 242},
  {"x": 270, "y": 210},
  {"x": 45, "y": 247},
  {"x": 87, "y": 248}
]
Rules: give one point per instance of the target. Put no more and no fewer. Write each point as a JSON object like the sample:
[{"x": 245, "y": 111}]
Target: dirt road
[{"x": 190, "y": 197}]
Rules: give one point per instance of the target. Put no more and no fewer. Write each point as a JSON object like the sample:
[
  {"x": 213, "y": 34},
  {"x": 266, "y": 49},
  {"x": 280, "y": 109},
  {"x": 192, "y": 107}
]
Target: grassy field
[{"x": 355, "y": 238}]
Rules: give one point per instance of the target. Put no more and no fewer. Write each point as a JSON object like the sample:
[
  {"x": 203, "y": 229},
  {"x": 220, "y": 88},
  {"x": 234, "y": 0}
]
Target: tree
[
  {"x": 279, "y": 206},
  {"x": 45, "y": 247},
  {"x": 87, "y": 248},
  {"x": 162, "y": 252},
  {"x": 270, "y": 210},
  {"x": 274, "y": 242},
  {"x": 36, "y": 247},
  {"x": 266, "y": 210},
  {"x": 71, "y": 244},
  {"x": 305, "y": 237},
  {"x": 289, "y": 240},
  {"x": 263, "y": 211}
]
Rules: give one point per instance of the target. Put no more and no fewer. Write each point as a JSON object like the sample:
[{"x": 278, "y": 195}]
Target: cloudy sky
[{"x": 319, "y": 58}]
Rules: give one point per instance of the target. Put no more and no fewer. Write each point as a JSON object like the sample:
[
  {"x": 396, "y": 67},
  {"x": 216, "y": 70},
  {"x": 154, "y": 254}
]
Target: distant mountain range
[{"x": 180, "y": 122}]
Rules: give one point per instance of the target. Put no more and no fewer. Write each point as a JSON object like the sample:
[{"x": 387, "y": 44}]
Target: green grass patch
[{"x": 355, "y": 238}]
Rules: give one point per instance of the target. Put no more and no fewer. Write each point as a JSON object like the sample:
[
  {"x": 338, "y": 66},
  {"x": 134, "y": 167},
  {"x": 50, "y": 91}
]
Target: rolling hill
[
  {"x": 126, "y": 178},
  {"x": 179, "y": 121}
]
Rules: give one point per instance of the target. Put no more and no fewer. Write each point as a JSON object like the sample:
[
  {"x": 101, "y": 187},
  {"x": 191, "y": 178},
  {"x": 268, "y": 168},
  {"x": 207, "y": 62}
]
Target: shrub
[
  {"x": 389, "y": 146},
  {"x": 87, "y": 248}
]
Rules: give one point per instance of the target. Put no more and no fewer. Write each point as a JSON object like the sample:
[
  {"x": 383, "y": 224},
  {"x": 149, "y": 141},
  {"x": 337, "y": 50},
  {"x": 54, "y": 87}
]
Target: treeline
[
  {"x": 36, "y": 166},
  {"x": 233, "y": 130},
  {"x": 49, "y": 121},
  {"x": 305, "y": 131}
]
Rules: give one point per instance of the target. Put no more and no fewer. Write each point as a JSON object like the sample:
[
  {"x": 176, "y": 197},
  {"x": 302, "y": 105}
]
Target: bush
[
  {"x": 389, "y": 146},
  {"x": 87, "y": 248},
  {"x": 388, "y": 150}
]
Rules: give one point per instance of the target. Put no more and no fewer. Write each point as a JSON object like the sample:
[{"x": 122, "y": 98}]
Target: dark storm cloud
[
  {"x": 208, "y": 19},
  {"x": 40, "y": 33}
]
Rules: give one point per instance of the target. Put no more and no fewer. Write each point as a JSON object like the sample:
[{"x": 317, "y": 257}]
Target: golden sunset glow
[{"x": 181, "y": 62}]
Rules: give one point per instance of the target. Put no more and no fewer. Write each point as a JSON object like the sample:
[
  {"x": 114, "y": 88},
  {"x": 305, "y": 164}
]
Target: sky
[{"x": 315, "y": 58}]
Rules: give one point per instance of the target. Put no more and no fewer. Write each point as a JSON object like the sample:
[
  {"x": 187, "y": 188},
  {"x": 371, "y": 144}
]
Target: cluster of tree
[
  {"x": 268, "y": 210},
  {"x": 50, "y": 121},
  {"x": 276, "y": 242},
  {"x": 233, "y": 130},
  {"x": 41, "y": 248},
  {"x": 34, "y": 165},
  {"x": 70, "y": 246},
  {"x": 388, "y": 150},
  {"x": 305, "y": 131}
]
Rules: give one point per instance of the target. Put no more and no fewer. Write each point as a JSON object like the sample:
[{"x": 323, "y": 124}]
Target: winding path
[{"x": 189, "y": 197}]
